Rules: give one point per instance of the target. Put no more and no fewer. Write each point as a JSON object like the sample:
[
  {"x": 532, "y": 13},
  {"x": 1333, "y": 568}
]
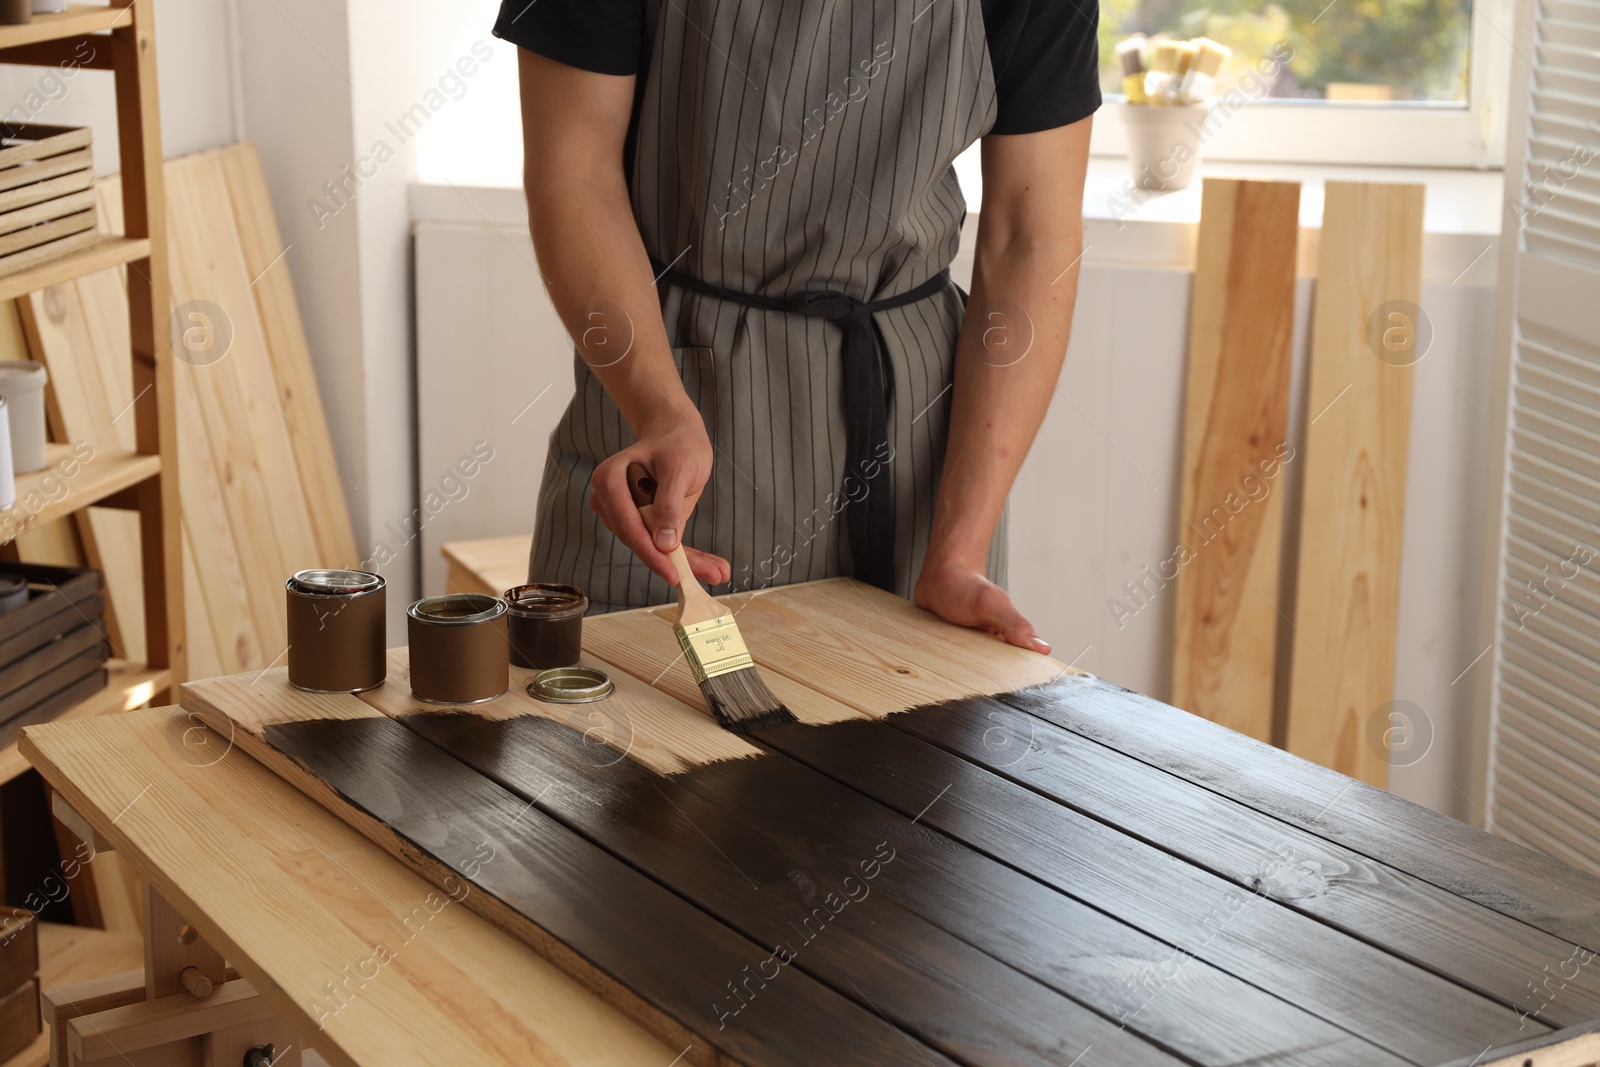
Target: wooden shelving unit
[{"x": 119, "y": 38}]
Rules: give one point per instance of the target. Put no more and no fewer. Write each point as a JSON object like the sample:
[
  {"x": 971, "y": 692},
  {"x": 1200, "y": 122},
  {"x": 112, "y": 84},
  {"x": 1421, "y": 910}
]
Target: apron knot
[{"x": 868, "y": 482}]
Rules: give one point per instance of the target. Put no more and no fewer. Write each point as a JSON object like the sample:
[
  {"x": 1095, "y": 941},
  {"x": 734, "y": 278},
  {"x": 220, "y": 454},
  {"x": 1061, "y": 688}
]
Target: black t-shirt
[{"x": 1045, "y": 53}]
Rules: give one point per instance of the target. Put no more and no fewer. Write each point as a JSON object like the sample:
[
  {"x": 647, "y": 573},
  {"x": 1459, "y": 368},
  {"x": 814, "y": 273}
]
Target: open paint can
[
  {"x": 546, "y": 625},
  {"x": 336, "y": 631},
  {"x": 459, "y": 649}
]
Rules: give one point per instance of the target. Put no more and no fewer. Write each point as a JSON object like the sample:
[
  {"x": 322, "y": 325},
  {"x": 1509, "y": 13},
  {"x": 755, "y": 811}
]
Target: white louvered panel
[
  {"x": 1544, "y": 744},
  {"x": 1582, "y": 12}
]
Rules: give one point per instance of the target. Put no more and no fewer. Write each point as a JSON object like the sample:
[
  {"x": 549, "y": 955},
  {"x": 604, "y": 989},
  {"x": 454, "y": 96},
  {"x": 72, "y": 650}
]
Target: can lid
[
  {"x": 457, "y": 609},
  {"x": 570, "y": 685},
  {"x": 10, "y": 583},
  {"x": 544, "y": 600},
  {"x": 335, "y": 582}
]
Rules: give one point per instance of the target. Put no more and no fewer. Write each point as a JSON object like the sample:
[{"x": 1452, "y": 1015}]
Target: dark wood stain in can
[{"x": 633, "y": 937}]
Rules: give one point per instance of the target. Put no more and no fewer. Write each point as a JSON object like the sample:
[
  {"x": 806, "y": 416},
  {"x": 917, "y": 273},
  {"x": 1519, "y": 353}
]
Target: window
[{"x": 1396, "y": 82}]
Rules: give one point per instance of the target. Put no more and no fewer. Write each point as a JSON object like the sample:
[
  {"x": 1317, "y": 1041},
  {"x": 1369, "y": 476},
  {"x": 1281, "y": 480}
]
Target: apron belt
[{"x": 870, "y": 521}]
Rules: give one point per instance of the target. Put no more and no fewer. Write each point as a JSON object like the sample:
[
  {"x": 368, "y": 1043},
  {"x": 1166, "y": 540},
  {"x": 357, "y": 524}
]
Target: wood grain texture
[
  {"x": 297, "y": 397},
  {"x": 1346, "y": 982},
  {"x": 298, "y": 901},
  {"x": 1455, "y": 938},
  {"x": 1236, "y": 424},
  {"x": 794, "y": 833},
  {"x": 1357, "y": 449},
  {"x": 1532, "y": 887},
  {"x": 809, "y": 897},
  {"x": 639, "y": 946},
  {"x": 261, "y": 497}
]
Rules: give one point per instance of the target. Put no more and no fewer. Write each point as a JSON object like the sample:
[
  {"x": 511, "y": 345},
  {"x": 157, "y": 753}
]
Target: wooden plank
[
  {"x": 927, "y": 981},
  {"x": 1529, "y": 886},
  {"x": 579, "y": 907},
  {"x": 297, "y": 395},
  {"x": 79, "y": 331},
  {"x": 1357, "y": 449},
  {"x": 266, "y": 510},
  {"x": 103, "y": 253},
  {"x": 1353, "y": 985},
  {"x": 798, "y": 834},
  {"x": 1450, "y": 936},
  {"x": 1236, "y": 425},
  {"x": 56, "y": 242},
  {"x": 89, "y": 477},
  {"x": 133, "y": 53},
  {"x": 300, "y": 901},
  {"x": 76, "y": 19}
]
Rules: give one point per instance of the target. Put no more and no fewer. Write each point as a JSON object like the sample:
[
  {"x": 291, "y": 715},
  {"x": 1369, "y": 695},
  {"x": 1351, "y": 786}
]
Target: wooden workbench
[{"x": 1060, "y": 871}]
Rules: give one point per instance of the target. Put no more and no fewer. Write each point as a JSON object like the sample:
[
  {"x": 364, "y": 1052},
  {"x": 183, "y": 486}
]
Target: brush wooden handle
[{"x": 694, "y": 603}]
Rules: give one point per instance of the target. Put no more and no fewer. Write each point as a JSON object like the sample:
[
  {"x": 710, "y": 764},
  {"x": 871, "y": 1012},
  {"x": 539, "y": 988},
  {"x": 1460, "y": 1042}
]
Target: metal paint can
[
  {"x": 459, "y": 650},
  {"x": 546, "y": 625},
  {"x": 336, "y": 630}
]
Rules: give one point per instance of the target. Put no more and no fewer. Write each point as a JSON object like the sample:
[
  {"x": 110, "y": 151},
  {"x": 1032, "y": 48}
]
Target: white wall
[{"x": 195, "y": 70}]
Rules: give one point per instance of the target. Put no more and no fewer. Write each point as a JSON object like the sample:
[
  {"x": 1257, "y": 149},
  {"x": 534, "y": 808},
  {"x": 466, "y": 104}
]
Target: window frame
[{"x": 1399, "y": 135}]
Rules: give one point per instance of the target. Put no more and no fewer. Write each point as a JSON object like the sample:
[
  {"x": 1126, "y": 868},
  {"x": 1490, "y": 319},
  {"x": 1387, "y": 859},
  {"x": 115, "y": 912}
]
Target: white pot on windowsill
[{"x": 1164, "y": 143}]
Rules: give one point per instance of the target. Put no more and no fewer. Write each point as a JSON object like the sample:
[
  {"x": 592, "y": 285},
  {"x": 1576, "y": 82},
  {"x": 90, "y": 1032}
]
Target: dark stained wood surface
[
  {"x": 1347, "y": 982},
  {"x": 1079, "y": 875},
  {"x": 1499, "y": 874},
  {"x": 1451, "y": 936},
  {"x": 810, "y": 898},
  {"x": 638, "y": 938}
]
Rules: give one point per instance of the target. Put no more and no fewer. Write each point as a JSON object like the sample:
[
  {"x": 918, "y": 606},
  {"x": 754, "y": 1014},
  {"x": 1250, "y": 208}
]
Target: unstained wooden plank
[
  {"x": 1236, "y": 424},
  {"x": 1365, "y": 339}
]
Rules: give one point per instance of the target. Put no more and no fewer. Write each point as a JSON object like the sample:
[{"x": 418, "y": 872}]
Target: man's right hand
[{"x": 678, "y": 456}]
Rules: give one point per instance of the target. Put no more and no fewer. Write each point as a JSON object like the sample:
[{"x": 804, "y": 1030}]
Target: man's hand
[
  {"x": 965, "y": 597},
  {"x": 678, "y": 457}
]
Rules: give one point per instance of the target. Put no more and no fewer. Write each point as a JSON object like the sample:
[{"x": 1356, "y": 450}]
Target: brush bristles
[{"x": 741, "y": 702}]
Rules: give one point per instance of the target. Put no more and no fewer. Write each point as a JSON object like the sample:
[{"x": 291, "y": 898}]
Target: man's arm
[
  {"x": 597, "y": 272},
  {"x": 1013, "y": 341}
]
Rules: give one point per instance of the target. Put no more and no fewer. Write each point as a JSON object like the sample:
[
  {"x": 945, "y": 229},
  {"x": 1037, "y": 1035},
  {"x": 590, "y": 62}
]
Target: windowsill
[{"x": 1151, "y": 230}]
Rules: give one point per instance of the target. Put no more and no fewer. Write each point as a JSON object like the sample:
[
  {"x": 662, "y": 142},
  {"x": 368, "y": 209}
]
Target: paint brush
[
  {"x": 1131, "y": 52},
  {"x": 740, "y": 701}
]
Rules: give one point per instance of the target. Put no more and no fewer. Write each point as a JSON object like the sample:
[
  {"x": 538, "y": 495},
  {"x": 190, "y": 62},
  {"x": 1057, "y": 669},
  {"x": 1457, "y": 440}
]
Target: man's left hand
[{"x": 965, "y": 597}]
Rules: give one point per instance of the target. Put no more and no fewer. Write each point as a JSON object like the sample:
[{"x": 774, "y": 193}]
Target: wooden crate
[
  {"x": 52, "y": 649},
  {"x": 46, "y": 194},
  {"x": 19, "y": 982}
]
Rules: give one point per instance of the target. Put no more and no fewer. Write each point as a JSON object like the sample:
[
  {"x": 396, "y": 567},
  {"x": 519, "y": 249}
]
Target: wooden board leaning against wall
[{"x": 262, "y": 497}]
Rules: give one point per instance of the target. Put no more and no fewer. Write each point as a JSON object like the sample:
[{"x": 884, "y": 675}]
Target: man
[{"x": 744, "y": 211}]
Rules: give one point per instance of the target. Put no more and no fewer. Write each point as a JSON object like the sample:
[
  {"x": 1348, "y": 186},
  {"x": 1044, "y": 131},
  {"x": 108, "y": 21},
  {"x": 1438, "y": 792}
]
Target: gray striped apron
[{"x": 792, "y": 163}]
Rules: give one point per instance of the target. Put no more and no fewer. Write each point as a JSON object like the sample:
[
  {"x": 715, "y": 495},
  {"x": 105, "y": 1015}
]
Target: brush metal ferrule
[{"x": 714, "y": 648}]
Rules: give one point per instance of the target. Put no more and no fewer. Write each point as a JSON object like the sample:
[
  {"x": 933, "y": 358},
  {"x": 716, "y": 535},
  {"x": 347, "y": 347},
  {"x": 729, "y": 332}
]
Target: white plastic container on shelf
[
  {"x": 22, "y": 384},
  {"x": 48, "y": 7},
  {"x": 8, "y": 486}
]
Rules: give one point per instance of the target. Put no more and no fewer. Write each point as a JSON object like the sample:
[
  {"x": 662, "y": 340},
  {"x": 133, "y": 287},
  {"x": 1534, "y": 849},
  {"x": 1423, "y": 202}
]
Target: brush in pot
[{"x": 740, "y": 701}]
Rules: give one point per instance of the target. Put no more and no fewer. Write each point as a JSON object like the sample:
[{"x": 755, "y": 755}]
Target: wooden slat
[
  {"x": 1357, "y": 449},
  {"x": 103, "y": 253},
  {"x": 94, "y": 476},
  {"x": 143, "y": 216},
  {"x": 299, "y": 901},
  {"x": 1210, "y": 1017},
  {"x": 297, "y": 395},
  {"x": 1534, "y": 888},
  {"x": 752, "y": 872},
  {"x": 578, "y": 906},
  {"x": 77, "y": 19},
  {"x": 1455, "y": 938},
  {"x": 1236, "y": 422},
  {"x": 79, "y": 331}
]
